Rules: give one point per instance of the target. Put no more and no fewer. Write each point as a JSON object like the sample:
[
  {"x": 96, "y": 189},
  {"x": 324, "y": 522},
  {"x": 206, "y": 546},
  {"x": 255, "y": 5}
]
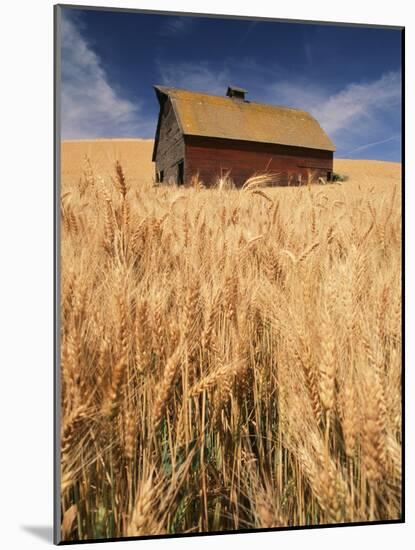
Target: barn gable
[{"x": 168, "y": 151}]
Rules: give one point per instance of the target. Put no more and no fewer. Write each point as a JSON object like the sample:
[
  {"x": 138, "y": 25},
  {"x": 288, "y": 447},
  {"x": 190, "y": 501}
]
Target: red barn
[{"x": 212, "y": 136}]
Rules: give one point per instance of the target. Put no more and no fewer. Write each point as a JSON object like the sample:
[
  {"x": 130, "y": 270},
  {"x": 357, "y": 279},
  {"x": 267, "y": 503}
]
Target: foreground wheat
[{"x": 230, "y": 359}]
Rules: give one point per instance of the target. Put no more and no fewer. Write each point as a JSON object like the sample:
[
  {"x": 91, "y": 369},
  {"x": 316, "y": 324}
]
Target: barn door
[{"x": 180, "y": 173}]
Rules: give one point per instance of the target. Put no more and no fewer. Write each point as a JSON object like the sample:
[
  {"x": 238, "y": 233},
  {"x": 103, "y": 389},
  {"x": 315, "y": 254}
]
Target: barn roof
[{"x": 201, "y": 114}]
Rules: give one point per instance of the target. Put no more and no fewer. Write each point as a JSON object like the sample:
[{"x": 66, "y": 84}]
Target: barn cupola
[{"x": 235, "y": 93}]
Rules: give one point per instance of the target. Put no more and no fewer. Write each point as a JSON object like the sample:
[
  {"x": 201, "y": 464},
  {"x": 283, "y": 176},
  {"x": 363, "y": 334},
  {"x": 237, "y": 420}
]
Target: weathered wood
[{"x": 170, "y": 144}]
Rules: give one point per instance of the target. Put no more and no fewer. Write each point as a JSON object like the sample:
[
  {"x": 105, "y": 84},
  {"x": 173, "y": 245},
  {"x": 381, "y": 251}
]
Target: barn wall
[
  {"x": 210, "y": 156},
  {"x": 170, "y": 146}
]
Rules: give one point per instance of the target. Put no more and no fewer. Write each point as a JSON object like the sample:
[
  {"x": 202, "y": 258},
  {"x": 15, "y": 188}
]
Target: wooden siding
[
  {"x": 210, "y": 156},
  {"x": 170, "y": 144}
]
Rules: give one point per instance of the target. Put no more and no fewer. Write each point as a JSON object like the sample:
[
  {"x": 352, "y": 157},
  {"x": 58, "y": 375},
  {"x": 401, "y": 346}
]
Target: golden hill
[
  {"x": 135, "y": 157},
  {"x": 133, "y": 154}
]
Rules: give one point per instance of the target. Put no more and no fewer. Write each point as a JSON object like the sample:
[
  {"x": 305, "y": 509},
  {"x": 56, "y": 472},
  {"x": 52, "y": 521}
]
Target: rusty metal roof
[{"x": 201, "y": 114}]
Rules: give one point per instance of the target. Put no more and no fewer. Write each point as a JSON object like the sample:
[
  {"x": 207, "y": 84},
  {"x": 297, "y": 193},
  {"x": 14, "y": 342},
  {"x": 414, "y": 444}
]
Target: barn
[{"x": 214, "y": 136}]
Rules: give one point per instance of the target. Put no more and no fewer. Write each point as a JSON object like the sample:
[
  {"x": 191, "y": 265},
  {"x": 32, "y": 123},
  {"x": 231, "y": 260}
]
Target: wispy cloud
[
  {"x": 361, "y": 102},
  {"x": 205, "y": 76},
  {"x": 373, "y": 144},
  {"x": 353, "y": 116},
  {"x": 90, "y": 105},
  {"x": 176, "y": 25},
  {"x": 195, "y": 76}
]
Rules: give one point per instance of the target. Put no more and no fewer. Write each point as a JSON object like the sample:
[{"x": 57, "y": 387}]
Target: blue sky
[{"x": 349, "y": 78}]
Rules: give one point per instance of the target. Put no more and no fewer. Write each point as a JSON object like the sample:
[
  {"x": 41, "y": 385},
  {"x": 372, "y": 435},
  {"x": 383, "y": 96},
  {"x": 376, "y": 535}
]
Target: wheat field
[{"x": 230, "y": 359}]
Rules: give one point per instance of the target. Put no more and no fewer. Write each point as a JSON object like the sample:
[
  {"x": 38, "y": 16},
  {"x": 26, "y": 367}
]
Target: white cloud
[
  {"x": 199, "y": 77},
  {"x": 360, "y": 101},
  {"x": 357, "y": 114},
  {"x": 90, "y": 105},
  {"x": 300, "y": 94},
  {"x": 204, "y": 76}
]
